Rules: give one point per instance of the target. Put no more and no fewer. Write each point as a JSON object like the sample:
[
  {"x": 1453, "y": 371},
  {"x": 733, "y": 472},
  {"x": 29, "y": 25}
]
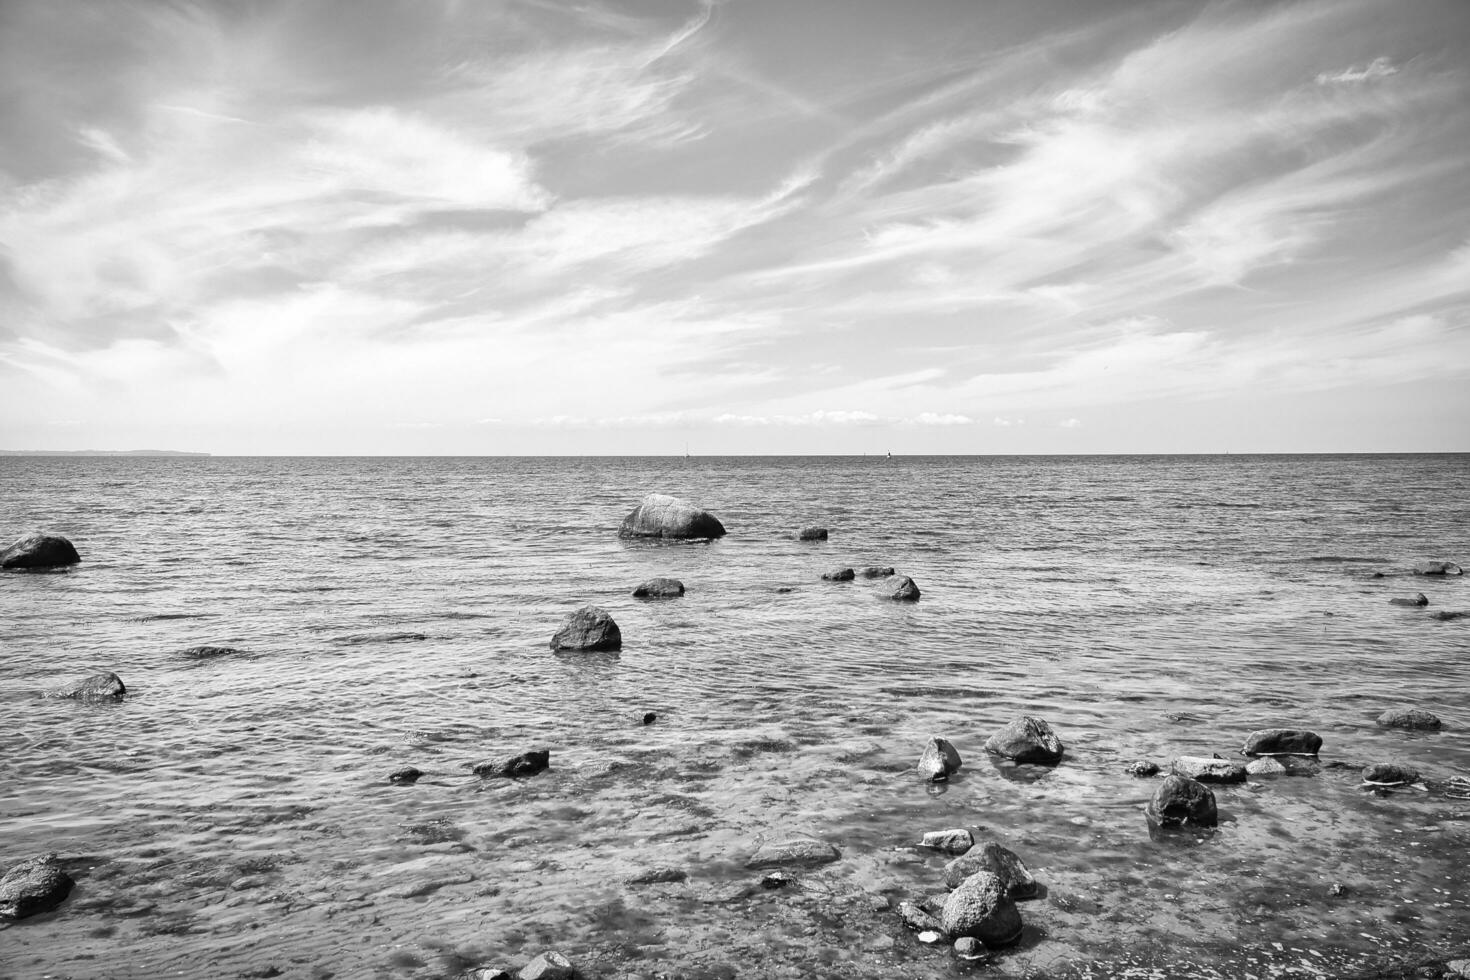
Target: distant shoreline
[{"x": 96, "y": 452}]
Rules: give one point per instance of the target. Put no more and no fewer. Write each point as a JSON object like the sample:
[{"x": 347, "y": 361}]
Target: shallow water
[{"x": 233, "y": 816}]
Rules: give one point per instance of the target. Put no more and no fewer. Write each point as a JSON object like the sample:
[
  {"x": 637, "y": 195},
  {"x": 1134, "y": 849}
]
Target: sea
[{"x": 233, "y": 816}]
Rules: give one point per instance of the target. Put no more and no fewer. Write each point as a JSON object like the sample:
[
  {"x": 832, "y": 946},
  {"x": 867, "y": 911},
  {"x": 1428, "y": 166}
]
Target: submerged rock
[
  {"x": 939, "y": 760},
  {"x": 901, "y": 588},
  {"x": 877, "y": 571},
  {"x": 1000, "y": 861},
  {"x": 1411, "y": 718},
  {"x": 406, "y": 776},
  {"x": 588, "y": 628},
  {"x": 955, "y": 841},
  {"x": 658, "y": 876},
  {"x": 659, "y": 588},
  {"x": 1027, "y": 740},
  {"x": 839, "y": 575},
  {"x": 979, "y": 907},
  {"x": 1389, "y": 774},
  {"x": 797, "y": 850},
  {"x": 1420, "y": 599},
  {"x": 39, "y": 551},
  {"x": 812, "y": 534},
  {"x": 1208, "y": 770},
  {"x": 106, "y": 686},
  {"x": 1282, "y": 741},
  {"x": 1438, "y": 568},
  {"x": 208, "y": 652},
  {"x": 32, "y": 887},
  {"x": 663, "y": 516},
  {"x": 525, "y": 764},
  {"x": 1182, "y": 802}
]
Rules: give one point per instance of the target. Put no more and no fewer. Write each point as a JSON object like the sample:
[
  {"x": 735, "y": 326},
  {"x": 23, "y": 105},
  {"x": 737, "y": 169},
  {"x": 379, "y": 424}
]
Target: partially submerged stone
[
  {"x": 1266, "y": 765},
  {"x": 1208, "y": 769},
  {"x": 1438, "y": 568},
  {"x": 658, "y": 876},
  {"x": 33, "y": 887},
  {"x": 1000, "y": 861},
  {"x": 796, "y": 850},
  {"x": 979, "y": 907},
  {"x": 1282, "y": 741},
  {"x": 917, "y": 919},
  {"x": 1027, "y": 740},
  {"x": 957, "y": 840},
  {"x": 105, "y": 686},
  {"x": 939, "y": 760},
  {"x": 1182, "y": 802},
  {"x": 39, "y": 551},
  {"x": 659, "y": 588},
  {"x": 1142, "y": 768},
  {"x": 406, "y": 776},
  {"x": 517, "y": 766},
  {"x": 1390, "y": 774},
  {"x": 663, "y": 516},
  {"x": 839, "y": 575},
  {"x": 901, "y": 588},
  {"x": 1420, "y": 599},
  {"x": 877, "y": 571},
  {"x": 1410, "y": 718},
  {"x": 588, "y": 628},
  {"x": 812, "y": 534}
]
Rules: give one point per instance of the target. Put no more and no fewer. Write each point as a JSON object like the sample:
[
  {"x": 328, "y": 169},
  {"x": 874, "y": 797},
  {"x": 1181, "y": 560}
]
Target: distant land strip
[{"x": 96, "y": 452}]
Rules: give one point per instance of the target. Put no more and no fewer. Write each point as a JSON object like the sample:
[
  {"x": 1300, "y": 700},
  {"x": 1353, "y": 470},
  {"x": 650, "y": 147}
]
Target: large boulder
[
  {"x": 1208, "y": 769},
  {"x": 1027, "y": 740},
  {"x": 1282, "y": 741},
  {"x": 659, "y": 588},
  {"x": 662, "y": 516},
  {"x": 39, "y": 551},
  {"x": 1438, "y": 568},
  {"x": 939, "y": 760},
  {"x": 589, "y": 628},
  {"x": 797, "y": 850},
  {"x": 106, "y": 686},
  {"x": 1002, "y": 862},
  {"x": 1412, "y": 718},
  {"x": 1182, "y": 802},
  {"x": 902, "y": 589},
  {"x": 32, "y": 887},
  {"x": 980, "y": 908}
]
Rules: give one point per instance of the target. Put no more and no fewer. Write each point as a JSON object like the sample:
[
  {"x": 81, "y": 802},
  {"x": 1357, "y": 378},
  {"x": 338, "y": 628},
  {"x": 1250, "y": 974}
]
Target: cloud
[
  {"x": 1377, "y": 68},
  {"x": 1069, "y": 424}
]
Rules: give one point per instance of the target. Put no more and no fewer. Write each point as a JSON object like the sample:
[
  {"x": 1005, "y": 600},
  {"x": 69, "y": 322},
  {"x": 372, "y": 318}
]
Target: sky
[{"x": 753, "y": 226}]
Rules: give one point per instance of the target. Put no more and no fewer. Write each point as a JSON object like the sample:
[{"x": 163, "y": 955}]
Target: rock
[
  {"x": 1420, "y": 599},
  {"x": 548, "y": 966},
  {"x": 955, "y": 841},
  {"x": 525, "y": 764},
  {"x": 32, "y": 887},
  {"x": 1027, "y": 740},
  {"x": 1282, "y": 741},
  {"x": 39, "y": 551},
  {"x": 208, "y": 653},
  {"x": 1412, "y": 718},
  {"x": 106, "y": 686},
  {"x": 939, "y": 761},
  {"x": 1142, "y": 768},
  {"x": 1182, "y": 802},
  {"x": 1264, "y": 766},
  {"x": 1447, "y": 615},
  {"x": 1458, "y": 968},
  {"x": 839, "y": 575},
  {"x": 589, "y": 628},
  {"x": 1002, "y": 862},
  {"x": 917, "y": 919},
  {"x": 980, "y": 908},
  {"x": 662, "y": 516},
  {"x": 659, "y": 588},
  {"x": 877, "y": 571},
  {"x": 1438, "y": 568},
  {"x": 484, "y": 973},
  {"x": 658, "y": 876},
  {"x": 1388, "y": 774},
  {"x": 968, "y": 948},
  {"x": 406, "y": 776},
  {"x": 649, "y": 717},
  {"x": 931, "y": 936},
  {"x": 776, "y": 879},
  {"x": 901, "y": 588},
  {"x": 797, "y": 850},
  {"x": 1208, "y": 770},
  {"x": 812, "y": 534}
]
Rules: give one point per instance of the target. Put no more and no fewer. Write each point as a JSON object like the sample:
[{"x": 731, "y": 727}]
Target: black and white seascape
[{"x": 297, "y": 636}]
